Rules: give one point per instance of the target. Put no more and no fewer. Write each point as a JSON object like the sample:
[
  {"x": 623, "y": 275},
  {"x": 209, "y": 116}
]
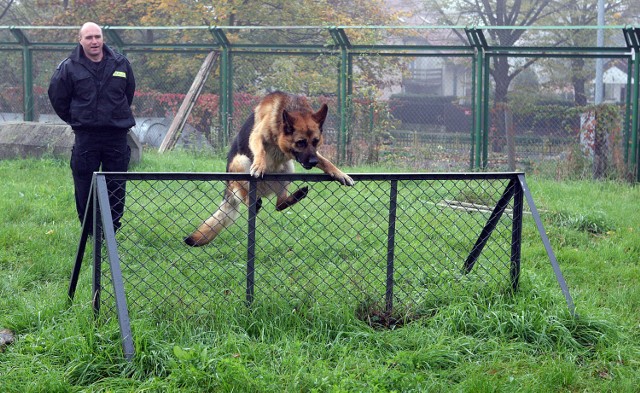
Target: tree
[
  {"x": 5, "y": 6},
  {"x": 19, "y": 13},
  {"x": 174, "y": 73},
  {"x": 497, "y": 13},
  {"x": 582, "y": 13},
  {"x": 529, "y": 13}
]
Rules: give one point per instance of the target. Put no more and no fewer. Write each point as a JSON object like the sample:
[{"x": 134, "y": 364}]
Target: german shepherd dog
[{"x": 282, "y": 128}]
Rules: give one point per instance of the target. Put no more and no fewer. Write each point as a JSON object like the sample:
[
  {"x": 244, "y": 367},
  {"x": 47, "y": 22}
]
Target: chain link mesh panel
[
  {"x": 409, "y": 105},
  {"x": 545, "y": 119},
  {"x": 418, "y": 115},
  {"x": 11, "y": 84},
  {"x": 396, "y": 246},
  {"x": 44, "y": 66}
]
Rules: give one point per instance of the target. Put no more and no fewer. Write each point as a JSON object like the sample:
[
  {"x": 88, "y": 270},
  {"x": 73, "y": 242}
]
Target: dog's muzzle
[{"x": 307, "y": 162}]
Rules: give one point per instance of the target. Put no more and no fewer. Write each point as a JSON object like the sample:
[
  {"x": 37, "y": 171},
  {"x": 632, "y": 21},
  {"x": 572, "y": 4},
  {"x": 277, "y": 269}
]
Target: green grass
[{"x": 526, "y": 342}]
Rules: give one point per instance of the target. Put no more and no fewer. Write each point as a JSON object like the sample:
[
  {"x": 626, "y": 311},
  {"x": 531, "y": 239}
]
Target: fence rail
[
  {"x": 394, "y": 245},
  {"x": 379, "y": 81}
]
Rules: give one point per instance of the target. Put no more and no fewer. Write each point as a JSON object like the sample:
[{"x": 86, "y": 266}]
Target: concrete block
[{"x": 20, "y": 139}]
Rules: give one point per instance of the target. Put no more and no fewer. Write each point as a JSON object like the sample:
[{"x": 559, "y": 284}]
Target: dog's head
[{"x": 302, "y": 135}]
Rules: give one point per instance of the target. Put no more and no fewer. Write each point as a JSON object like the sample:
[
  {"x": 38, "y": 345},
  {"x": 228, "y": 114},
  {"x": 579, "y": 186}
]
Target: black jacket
[{"x": 88, "y": 102}]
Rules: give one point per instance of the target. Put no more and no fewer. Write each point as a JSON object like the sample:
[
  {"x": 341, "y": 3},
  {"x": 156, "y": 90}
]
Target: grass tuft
[{"x": 595, "y": 222}]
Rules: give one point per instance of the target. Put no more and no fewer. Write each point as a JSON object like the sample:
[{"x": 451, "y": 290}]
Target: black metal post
[
  {"x": 97, "y": 251},
  {"x": 489, "y": 227},
  {"x": 391, "y": 235},
  {"x": 114, "y": 267},
  {"x": 84, "y": 235},
  {"x": 547, "y": 245},
  {"x": 251, "y": 240},
  {"x": 516, "y": 237}
]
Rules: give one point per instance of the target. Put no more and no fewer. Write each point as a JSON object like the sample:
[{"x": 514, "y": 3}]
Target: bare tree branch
[{"x": 6, "y": 9}]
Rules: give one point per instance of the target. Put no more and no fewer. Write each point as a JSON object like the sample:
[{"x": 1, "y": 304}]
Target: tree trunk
[
  {"x": 600, "y": 146},
  {"x": 502, "y": 80},
  {"x": 511, "y": 138},
  {"x": 578, "y": 80}
]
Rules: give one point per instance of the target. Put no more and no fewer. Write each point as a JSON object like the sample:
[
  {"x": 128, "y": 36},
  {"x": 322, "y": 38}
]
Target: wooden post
[{"x": 181, "y": 116}]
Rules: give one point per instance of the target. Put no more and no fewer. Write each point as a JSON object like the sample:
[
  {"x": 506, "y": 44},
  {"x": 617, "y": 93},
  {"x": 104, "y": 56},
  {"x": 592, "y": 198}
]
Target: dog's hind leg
[
  {"x": 227, "y": 214},
  {"x": 284, "y": 201}
]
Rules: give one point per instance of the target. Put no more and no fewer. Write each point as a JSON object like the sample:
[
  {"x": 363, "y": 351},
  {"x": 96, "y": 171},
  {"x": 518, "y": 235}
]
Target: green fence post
[
  {"x": 222, "y": 97},
  {"x": 345, "y": 88},
  {"x": 635, "y": 159},
  {"x": 477, "y": 86},
  {"x": 28, "y": 84},
  {"x": 341, "y": 139},
  {"x": 485, "y": 114},
  {"x": 472, "y": 136},
  {"x": 349, "y": 100},
  {"x": 626, "y": 135},
  {"x": 27, "y": 73},
  {"x": 225, "y": 104},
  {"x": 479, "y": 109},
  {"x": 229, "y": 98}
]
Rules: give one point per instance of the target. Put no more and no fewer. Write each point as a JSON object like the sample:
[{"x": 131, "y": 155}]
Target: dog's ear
[
  {"x": 321, "y": 115},
  {"x": 287, "y": 123}
]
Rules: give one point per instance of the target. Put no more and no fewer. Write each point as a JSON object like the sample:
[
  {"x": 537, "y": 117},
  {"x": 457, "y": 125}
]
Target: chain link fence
[
  {"x": 392, "y": 247},
  {"x": 410, "y": 100},
  {"x": 541, "y": 125}
]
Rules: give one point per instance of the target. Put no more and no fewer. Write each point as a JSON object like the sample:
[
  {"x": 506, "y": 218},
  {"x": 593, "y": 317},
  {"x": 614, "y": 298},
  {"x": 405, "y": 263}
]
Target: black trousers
[{"x": 92, "y": 152}]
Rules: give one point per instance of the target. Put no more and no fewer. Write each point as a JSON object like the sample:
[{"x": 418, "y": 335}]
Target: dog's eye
[
  {"x": 315, "y": 142},
  {"x": 301, "y": 143}
]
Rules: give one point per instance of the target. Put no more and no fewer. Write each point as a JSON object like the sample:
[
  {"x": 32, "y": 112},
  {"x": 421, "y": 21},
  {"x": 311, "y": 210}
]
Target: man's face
[{"x": 92, "y": 41}]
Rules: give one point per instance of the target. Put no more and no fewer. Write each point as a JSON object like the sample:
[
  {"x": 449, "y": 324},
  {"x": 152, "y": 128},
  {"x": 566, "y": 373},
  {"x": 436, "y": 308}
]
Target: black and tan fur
[{"x": 281, "y": 129}]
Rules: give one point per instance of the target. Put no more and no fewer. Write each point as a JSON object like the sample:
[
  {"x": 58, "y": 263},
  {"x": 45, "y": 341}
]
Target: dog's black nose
[{"x": 313, "y": 161}]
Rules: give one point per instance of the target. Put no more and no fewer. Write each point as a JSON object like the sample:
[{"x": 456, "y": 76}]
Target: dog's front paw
[
  {"x": 344, "y": 179},
  {"x": 257, "y": 169}
]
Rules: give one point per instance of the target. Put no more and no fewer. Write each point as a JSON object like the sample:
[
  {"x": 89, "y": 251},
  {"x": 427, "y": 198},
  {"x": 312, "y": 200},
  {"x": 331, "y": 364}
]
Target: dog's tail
[{"x": 227, "y": 214}]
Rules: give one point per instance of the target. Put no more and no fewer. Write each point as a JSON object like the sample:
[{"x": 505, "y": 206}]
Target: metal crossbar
[{"x": 402, "y": 244}]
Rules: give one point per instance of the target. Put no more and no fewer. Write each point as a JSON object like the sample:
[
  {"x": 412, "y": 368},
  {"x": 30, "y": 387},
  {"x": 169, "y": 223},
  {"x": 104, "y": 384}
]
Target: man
[{"x": 92, "y": 91}]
